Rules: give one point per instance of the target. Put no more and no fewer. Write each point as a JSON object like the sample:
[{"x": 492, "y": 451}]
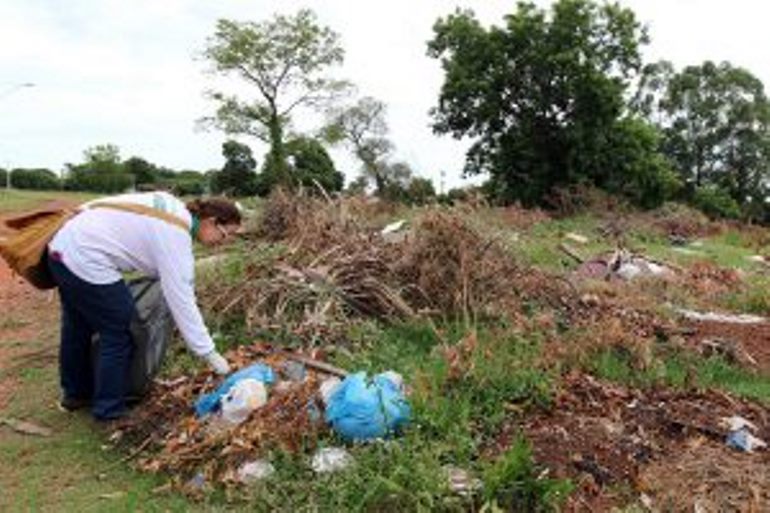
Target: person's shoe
[{"x": 69, "y": 404}]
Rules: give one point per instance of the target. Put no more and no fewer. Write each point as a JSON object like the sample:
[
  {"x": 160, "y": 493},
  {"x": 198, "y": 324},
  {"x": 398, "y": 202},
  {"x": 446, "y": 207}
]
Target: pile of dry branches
[{"x": 335, "y": 268}]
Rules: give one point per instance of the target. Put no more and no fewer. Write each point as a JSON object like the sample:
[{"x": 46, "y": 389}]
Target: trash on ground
[
  {"x": 395, "y": 233},
  {"x": 209, "y": 403},
  {"x": 740, "y": 434},
  {"x": 197, "y": 482},
  {"x": 243, "y": 398},
  {"x": 624, "y": 265},
  {"x": 687, "y": 251},
  {"x": 461, "y": 482},
  {"x": 327, "y": 388},
  {"x": 331, "y": 459},
  {"x": 576, "y": 237},
  {"x": 293, "y": 371},
  {"x": 743, "y": 440},
  {"x": 717, "y": 317},
  {"x": 256, "y": 470},
  {"x": 26, "y": 428},
  {"x": 393, "y": 227},
  {"x": 112, "y": 495},
  {"x": 364, "y": 409}
]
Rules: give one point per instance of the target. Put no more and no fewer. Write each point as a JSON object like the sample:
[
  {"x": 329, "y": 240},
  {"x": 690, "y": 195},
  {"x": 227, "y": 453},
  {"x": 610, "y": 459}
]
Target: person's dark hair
[{"x": 222, "y": 210}]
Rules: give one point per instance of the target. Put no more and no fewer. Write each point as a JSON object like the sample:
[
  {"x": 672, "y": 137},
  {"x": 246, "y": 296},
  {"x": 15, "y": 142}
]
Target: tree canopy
[
  {"x": 715, "y": 119},
  {"x": 542, "y": 97},
  {"x": 238, "y": 175},
  {"x": 285, "y": 59}
]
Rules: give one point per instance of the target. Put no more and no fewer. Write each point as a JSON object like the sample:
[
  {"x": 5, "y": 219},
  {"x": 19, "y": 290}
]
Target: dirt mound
[{"x": 605, "y": 436}]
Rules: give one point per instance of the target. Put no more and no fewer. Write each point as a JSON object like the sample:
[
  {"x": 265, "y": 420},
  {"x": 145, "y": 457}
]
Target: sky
[{"x": 130, "y": 73}]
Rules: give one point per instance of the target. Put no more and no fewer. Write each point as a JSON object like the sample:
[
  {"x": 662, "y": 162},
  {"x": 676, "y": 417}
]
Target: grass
[
  {"x": 17, "y": 200},
  {"x": 672, "y": 369},
  {"x": 69, "y": 471}
]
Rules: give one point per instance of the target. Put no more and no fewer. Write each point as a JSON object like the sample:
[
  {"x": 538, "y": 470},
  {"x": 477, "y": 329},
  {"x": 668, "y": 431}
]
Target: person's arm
[{"x": 176, "y": 269}]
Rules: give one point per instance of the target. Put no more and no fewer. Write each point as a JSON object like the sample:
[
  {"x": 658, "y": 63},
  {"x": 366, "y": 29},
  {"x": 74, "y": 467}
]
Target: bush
[
  {"x": 716, "y": 202},
  {"x": 36, "y": 179}
]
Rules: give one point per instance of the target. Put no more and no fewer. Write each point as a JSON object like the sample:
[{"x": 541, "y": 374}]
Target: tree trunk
[{"x": 277, "y": 154}]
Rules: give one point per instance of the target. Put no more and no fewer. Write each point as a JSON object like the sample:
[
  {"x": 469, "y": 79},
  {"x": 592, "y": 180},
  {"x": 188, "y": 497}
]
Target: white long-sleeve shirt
[{"x": 98, "y": 245}]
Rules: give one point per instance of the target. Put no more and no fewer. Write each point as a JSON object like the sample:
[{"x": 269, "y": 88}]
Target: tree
[
  {"x": 102, "y": 171},
  {"x": 362, "y": 126},
  {"x": 285, "y": 59},
  {"x": 238, "y": 176},
  {"x": 541, "y": 96},
  {"x": 143, "y": 171},
  {"x": 103, "y": 158},
  {"x": 420, "y": 191},
  {"x": 38, "y": 179},
  {"x": 309, "y": 164},
  {"x": 715, "y": 120}
]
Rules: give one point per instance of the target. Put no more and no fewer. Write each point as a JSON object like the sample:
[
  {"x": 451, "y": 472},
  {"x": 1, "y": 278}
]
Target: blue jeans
[{"x": 88, "y": 309}]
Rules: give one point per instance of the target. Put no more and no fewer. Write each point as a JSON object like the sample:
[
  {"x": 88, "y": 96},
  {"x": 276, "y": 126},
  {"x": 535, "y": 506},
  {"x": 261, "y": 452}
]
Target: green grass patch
[
  {"x": 16, "y": 200},
  {"x": 672, "y": 369}
]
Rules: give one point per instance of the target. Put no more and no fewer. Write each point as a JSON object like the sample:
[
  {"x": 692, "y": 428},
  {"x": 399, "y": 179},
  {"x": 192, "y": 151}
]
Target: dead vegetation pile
[
  {"x": 177, "y": 442},
  {"x": 679, "y": 222},
  {"x": 335, "y": 268},
  {"x": 607, "y": 438}
]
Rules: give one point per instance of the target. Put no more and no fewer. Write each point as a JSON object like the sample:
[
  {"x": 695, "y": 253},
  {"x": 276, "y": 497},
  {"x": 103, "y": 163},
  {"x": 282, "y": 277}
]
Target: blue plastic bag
[
  {"x": 363, "y": 409},
  {"x": 209, "y": 403}
]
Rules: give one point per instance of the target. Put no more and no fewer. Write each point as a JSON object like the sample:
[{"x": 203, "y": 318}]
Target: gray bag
[{"x": 151, "y": 330}]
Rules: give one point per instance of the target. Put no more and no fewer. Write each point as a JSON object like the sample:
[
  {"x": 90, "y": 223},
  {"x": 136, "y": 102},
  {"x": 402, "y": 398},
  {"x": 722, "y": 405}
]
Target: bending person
[{"x": 87, "y": 257}]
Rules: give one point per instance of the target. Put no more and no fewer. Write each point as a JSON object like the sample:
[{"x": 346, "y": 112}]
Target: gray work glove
[{"x": 217, "y": 362}]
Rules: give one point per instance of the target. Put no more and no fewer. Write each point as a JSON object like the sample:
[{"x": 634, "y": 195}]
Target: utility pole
[{"x": 3, "y": 95}]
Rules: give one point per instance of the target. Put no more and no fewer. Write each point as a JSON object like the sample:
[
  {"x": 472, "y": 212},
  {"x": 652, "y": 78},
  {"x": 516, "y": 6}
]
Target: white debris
[
  {"x": 688, "y": 251},
  {"x": 393, "y": 227},
  {"x": 576, "y": 237},
  {"x": 255, "y": 470},
  {"x": 460, "y": 481},
  {"x": 244, "y": 397},
  {"x": 328, "y": 387},
  {"x": 735, "y": 423},
  {"x": 629, "y": 271},
  {"x": 716, "y": 317},
  {"x": 331, "y": 459},
  {"x": 395, "y": 377}
]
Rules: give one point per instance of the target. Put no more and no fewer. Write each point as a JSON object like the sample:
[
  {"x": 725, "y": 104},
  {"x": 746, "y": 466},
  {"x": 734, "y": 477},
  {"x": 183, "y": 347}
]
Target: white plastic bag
[{"x": 243, "y": 398}]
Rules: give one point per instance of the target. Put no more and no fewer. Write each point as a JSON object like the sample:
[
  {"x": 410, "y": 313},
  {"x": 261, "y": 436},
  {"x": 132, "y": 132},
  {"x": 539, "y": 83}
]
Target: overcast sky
[{"x": 125, "y": 71}]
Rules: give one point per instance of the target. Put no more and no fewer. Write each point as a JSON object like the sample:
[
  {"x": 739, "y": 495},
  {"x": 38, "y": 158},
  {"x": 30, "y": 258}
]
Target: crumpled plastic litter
[
  {"x": 364, "y": 409},
  {"x": 252, "y": 471},
  {"x": 209, "y": 403},
  {"x": 744, "y": 441},
  {"x": 243, "y": 398},
  {"x": 331, "y": 459},
  {"x": 740, "y": 436}
]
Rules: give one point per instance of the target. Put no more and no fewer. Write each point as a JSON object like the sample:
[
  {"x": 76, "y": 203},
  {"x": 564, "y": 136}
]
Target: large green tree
[
  {"x": 542, "y": 96},
  {"x": 286, "y": 60},
  {"x": 716, "y": 124}
]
